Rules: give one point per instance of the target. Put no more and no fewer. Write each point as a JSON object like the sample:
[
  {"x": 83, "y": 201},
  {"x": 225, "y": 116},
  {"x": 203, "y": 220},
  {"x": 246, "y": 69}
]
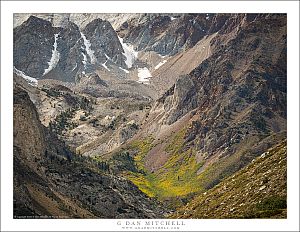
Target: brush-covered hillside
[{"x": 257, "y": 191}]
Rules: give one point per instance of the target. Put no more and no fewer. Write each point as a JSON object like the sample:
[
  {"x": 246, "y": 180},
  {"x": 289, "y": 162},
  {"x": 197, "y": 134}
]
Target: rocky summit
[{"x": 150, "y": 115}]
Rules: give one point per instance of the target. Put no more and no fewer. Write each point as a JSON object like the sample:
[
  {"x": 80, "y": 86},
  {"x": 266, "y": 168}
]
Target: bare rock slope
[{"x": 50, "y": 181}]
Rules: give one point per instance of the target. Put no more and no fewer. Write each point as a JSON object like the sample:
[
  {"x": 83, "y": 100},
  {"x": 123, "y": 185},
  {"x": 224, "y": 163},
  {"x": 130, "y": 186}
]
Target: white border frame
[{"x": 7, "y": 10}]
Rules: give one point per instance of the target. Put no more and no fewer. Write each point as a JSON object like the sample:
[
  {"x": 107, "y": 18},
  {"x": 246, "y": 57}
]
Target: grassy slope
[
  {"x": 177, "y": 177},
  {"x": 256, "y": 191},
  {"x": 164, "y": 183}
]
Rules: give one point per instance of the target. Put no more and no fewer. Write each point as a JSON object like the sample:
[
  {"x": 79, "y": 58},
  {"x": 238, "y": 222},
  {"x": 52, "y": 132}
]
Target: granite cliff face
[
  {"x": 42, "y": 51},
  {"x": 33, "y": 45},
  {"x": 234, "y": 87},
  {"x": 165, "y": 34},
  {"x": 105, "y": 42}
]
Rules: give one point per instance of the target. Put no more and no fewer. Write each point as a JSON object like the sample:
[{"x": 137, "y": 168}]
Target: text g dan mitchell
[{"x": 150, "y": 223}]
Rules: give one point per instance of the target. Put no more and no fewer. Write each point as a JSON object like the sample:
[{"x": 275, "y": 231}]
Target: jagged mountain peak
[
  {"x": 104, "y": 41},
  {"x": 65, "y": 52},
  {"x": 36, "y": 21}
]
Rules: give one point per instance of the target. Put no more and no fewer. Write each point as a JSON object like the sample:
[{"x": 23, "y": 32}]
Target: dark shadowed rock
[
  {"x": 33, "y": 43},
  {"x": 166, "y": 34},
  {"x": 105, "y": 42}
]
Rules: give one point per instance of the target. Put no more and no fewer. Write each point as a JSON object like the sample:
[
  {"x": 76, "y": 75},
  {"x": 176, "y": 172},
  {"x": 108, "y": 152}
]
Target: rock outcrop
[
  {"x": 239, "y": 82},
  {"x": 33, "y": 43},
  {"x": 43, "y": 51},
  {"x": 228, "y": 108},
  {"x": 105, "y": 43},
  {"x": 49, "y": 181}
]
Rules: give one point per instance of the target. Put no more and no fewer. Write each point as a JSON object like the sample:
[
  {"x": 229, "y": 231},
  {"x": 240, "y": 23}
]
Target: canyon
[{"x": 150, "y": 115}]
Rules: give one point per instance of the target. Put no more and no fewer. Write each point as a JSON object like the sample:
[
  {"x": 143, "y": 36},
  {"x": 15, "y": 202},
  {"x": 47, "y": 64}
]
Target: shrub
[
  {"x": 260, "y": 123},
  {"x": 272, "y": 203}
]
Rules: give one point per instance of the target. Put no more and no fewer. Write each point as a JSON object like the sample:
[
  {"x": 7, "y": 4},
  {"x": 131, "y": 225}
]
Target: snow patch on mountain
[
  {"x": 32, "y": 81},
  {"x": 161, "y": 56},
  {"x": 54, "y": 58},
  {"x": 74, "y": 67},
  {"x": 84, "y": 60},
  {"x": 88, "y": 49},
  {"x": 129, "y": 52},
  {"x": 104, "y": 65},
  {"x": 125, "y": 70},
  {"x": 160, "y": 64},
  {"x": 144, "y": 74}
]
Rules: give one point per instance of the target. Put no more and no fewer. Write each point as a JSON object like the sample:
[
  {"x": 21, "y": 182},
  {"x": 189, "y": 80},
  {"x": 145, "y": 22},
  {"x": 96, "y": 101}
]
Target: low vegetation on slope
[
  {"x": 177, "y": 177},
  {"x": 256, "y": 191},
  {"x": 181, "y": 177},
  {"x": 237, "y": 102}
]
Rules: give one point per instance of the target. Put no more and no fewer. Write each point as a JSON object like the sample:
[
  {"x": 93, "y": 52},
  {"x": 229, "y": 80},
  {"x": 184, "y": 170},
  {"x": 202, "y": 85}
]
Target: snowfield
[
  {"x": 32, "y": 81},
  {"x": 84, "y": 62},
  {"x": 88, "y": 49},
  {"x": 144, "y": 74},
  {"x": 74, "y": 67},
  {"x": 130, "y": 54},
  {"x": 125, "y": 70},
  {"x": 54, "y": 58},
  {"x": 104, "y": 65},
  {"x": 160, "y": 64}
]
